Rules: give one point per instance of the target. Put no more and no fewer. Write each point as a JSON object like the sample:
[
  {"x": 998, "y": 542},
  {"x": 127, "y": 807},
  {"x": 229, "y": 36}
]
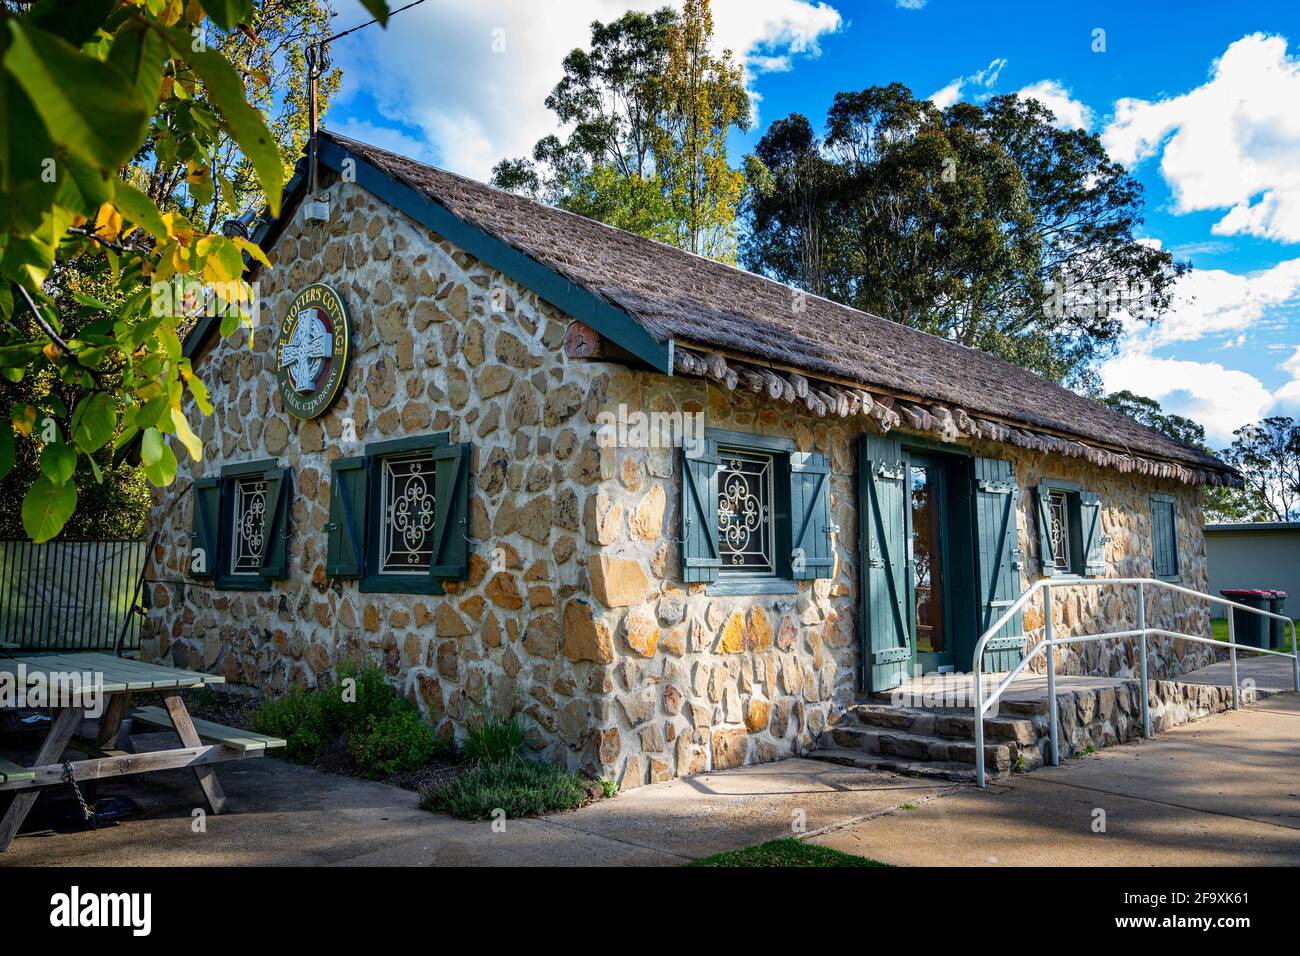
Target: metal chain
[{"x": 70, "y": 779}]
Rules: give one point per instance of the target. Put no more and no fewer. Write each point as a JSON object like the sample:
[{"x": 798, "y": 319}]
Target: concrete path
[
  {"x": 1220, "y": 791},
  {"x": 1224, "y": 791},
  {"x": 1268, "y": 672},
  {"x": 289, "y": 815}
]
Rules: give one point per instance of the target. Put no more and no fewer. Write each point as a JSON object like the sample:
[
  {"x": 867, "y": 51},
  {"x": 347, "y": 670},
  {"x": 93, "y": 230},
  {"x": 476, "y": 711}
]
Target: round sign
[{"x": 311, "y": 354}]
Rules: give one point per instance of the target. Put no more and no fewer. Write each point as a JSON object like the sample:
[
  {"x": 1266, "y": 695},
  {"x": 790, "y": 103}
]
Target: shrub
[
  {"x": 300, "y": 719},
  {"x": 491, "y": 739},
  {"x": 385, "y": 733},
  {"x": 521, "y": 788},
  {"x": 399, "y": 740}
]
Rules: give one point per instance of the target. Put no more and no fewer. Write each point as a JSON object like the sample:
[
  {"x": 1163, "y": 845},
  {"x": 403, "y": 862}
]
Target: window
[
  {"x": 1060, "y": 512},
  {"x": 746, "y": 521},
  {"x": 755, "y": 514},
  {"x": 1164, "y": 537},
  {"x": 241, "y": 525},
  {"x": 248, "y": 524},
  {"x": 407, "y": 508},
  {"x": 1070, "y": 539},
  {"x": 399, "y": 514}
]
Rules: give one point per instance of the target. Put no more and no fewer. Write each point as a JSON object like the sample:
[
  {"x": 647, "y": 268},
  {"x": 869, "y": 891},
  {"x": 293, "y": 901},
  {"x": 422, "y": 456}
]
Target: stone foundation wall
[{"x": 1106, "y": 716}]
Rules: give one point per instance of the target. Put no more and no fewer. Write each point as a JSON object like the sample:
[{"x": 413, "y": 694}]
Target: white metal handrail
[{"x": 1050, "y": 642}]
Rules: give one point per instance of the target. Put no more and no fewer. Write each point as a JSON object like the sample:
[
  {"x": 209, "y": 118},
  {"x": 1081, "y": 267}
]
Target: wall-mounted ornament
[{"x": 311, "y": 353}]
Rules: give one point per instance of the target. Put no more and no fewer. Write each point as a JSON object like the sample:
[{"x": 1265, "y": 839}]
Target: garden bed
[{"x": 361, "y": 728}]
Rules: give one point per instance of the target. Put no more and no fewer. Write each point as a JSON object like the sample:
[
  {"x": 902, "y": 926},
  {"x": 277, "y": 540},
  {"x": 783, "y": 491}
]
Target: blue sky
[{"x": 1200, "y": 100}]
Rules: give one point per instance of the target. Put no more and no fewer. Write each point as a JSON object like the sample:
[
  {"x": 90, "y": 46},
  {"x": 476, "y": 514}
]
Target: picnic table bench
[{"x": 106, "y": 742}]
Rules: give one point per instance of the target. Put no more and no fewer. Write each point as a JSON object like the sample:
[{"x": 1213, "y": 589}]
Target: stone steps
[
  {"x": 952, "y": 723},
  {"x": 905, "y": 745},
  {"x": 877, "y": 733},
  {"x": 927, "y": 769}
]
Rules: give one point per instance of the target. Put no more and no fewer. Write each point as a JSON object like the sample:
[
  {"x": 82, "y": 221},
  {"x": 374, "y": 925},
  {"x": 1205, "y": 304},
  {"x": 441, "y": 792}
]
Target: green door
[{"x": 886, "y": 634}]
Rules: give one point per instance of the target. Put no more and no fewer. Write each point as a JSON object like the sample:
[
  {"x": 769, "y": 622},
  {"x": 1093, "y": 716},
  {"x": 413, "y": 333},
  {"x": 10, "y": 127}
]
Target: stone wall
[
  {"x": 441, "y": 343},
  {"x": 1126, "y": 521},
  {"x": 709, "y": 681},
  {"x": 574, "y": 611}
]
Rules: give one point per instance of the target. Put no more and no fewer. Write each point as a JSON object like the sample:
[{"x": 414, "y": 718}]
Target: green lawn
[
  {"x": 786, "y": 852},
  {"x": 1219, "y": 629}
]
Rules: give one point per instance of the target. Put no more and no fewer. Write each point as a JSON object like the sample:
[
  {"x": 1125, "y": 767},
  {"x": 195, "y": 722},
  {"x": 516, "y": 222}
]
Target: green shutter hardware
[
  {"x": 810, "y": 480},
  {"x": 346, "y": 529},
  {"x": 450, "y": 560},
  {"x": 279, "y": 487},
  {"x": 700, "y": 558},
  {"x": 203, "y": 557}
]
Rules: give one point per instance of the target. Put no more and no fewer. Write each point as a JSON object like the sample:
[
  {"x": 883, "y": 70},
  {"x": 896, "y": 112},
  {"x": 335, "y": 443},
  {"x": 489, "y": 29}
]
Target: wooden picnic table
[{"x": 107, "y": 746}]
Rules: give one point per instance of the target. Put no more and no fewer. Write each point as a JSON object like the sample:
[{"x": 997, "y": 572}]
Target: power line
[
  {"x": 339, "y": 36},
  {"x": 316, "y": 62}
]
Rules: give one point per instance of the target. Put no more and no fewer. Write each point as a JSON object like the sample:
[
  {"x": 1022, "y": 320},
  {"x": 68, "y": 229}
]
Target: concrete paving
[
  {"x": 1224, "y": 791},
  {"x": 1268, "y": 672},
  {"x": 1220, "y": 791},
  {"x": 289, "y": 815}
]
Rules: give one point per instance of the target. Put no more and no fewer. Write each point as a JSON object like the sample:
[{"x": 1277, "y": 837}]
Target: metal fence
[{"x": 70, "y": 594}]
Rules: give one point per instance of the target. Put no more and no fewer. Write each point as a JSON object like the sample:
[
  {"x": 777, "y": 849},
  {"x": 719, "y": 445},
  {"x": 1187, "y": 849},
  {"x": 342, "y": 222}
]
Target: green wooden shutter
[
  {"x": 346, "y": 529},
  {"x": 700, "y": 558},
  {"x": 810, "y": 514},
  {"x": 203, "y": 534},
  {"x": 886, "y": 639},
  {"x": 1043, "y": 512},
  {"x": 1164, "y": 540},
  {"x": 279, "y": 486},
  {"x": 1094, "y": 552},
  {"x": 450, "y": 559},
  {"x": 997, "y": 560}
]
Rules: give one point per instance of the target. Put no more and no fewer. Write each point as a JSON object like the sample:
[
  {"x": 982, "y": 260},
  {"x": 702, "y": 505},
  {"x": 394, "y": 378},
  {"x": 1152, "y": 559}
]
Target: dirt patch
[
  {"x": 439, "y": 770},
  {"x": 231, "y": 708}
]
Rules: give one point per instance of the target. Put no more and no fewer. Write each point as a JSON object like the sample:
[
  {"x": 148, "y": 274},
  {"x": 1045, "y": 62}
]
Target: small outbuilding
[
  {"x": 676, "y": 514},
  {"x": 1255, "y": 554}
]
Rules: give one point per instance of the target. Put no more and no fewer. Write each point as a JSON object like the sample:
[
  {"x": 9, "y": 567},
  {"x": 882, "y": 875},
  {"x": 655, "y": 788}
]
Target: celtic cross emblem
[{"x": 305, "y": 353}]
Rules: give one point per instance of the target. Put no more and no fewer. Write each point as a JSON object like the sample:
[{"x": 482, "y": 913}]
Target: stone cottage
[{"x": 675, "y": 514}]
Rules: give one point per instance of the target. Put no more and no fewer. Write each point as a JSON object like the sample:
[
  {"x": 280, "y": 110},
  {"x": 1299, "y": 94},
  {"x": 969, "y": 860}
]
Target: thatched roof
[{"x": 706, "y": 304}]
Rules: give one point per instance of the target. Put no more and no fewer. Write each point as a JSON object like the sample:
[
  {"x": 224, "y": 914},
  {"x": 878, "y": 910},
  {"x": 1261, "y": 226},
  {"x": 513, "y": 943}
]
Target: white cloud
[
  {"x": 1288, "y": 396},
  {"x": 1214, "y": 302},
  {"x": 1219, "y": 398},
  {"x": 1070, "y": 113},
  {"x": 945, "y": 96},
  {"x": 910, "y": 4},
  {"x": 981, "y": 80},
  {"x": 1230, "y": 143},
  {"x": 385, "y": 137},
  {"x": 474, "y": 77}
]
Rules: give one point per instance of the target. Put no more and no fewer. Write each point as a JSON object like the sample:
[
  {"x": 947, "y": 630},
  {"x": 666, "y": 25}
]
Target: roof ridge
[
  {"x": 611, "y": 284},
  {"x": 713, "y": 263}
]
